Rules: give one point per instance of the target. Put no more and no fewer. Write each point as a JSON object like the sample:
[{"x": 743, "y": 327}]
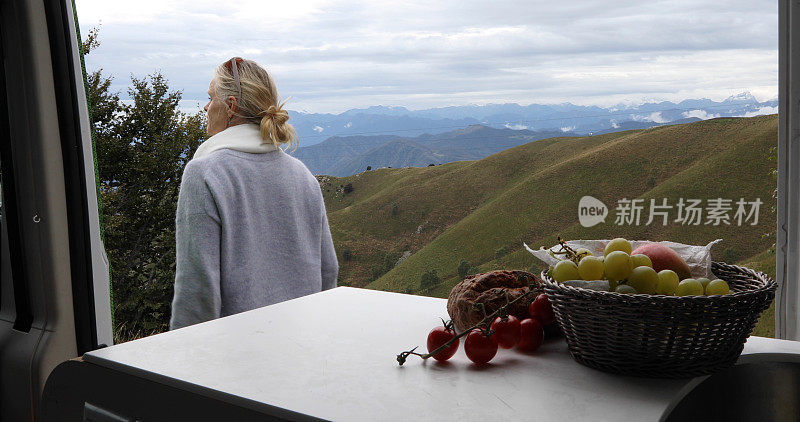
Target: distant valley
[{"x": 344, "y": 156}]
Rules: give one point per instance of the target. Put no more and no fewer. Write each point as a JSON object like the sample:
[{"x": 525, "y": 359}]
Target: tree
[
  {"x": 389, "y": 261},
  {"x": 369, "y": 168},
  {"x": 142, "y": 147},
  {"x": 429, "y": 280},
  {"x": 463, "y": 268},
  {"x": 91, "y": 42}
]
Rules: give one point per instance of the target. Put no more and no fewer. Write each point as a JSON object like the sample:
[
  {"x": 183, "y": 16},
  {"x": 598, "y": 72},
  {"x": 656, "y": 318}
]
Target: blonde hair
[{"x": 258, "y": 102}]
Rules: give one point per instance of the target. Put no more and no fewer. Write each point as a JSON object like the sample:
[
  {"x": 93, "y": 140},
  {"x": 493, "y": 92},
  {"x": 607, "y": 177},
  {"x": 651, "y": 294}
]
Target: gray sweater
[{"x": 251, "y": 230}]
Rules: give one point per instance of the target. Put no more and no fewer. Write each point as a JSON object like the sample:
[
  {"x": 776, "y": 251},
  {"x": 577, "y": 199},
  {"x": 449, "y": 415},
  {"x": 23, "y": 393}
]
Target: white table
[{"x": 332, "y": 356}]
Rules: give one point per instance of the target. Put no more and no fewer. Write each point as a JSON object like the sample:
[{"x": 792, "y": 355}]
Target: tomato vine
[{"x": 483, "y": 325}]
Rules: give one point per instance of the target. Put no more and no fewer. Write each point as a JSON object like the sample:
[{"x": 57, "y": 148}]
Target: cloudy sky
[{"x": 330, "y": 56}]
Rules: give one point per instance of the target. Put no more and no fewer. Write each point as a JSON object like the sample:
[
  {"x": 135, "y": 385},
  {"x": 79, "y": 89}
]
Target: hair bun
[
  {"x": 273, "y": 126},
  {"x": 277, "y": 114}
]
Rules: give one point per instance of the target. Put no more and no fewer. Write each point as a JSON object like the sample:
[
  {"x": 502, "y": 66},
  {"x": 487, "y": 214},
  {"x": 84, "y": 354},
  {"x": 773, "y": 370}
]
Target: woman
[{"x": 251, "y": 228}]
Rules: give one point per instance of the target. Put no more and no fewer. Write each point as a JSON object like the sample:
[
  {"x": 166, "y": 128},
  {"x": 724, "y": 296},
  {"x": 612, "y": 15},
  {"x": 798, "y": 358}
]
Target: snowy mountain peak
[
  {"x": 742, "y": 97},
  {"x": 378, "y": 109}
]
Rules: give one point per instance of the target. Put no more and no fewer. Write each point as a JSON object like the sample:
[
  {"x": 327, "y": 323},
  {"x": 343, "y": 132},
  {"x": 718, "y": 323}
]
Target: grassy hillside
[
  {"x": 764, "y": 262},
  {"x": 482, "y": 211}
]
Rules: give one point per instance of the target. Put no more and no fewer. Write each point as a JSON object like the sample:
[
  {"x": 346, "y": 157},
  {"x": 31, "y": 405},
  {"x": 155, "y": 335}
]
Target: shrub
[
  {"x": 386, "y": 265},
  {"x": 369, "y": 168},
  {"x": 730, "y": 255},
  {"x": 429, "y": 280},
  {"x": 463, "y": 268},
  {"x": 395, "y": 209},
  {"x": 348, "y": 188},
  {"x": 347, "y": 254}
]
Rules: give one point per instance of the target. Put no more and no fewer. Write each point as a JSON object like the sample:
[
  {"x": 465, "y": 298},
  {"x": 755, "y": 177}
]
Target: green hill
[{"x": 482, "y": 211}]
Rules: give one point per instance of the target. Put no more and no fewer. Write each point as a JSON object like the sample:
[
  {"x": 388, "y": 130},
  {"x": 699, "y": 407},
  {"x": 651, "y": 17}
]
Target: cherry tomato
[
  {"x": 532, "y": 335},
  {"x": 479, "y": 348},
  {"x": 439, "y": 336},
  {"x": 506, "y": 332},
  {"x": 541, "y": 310}
]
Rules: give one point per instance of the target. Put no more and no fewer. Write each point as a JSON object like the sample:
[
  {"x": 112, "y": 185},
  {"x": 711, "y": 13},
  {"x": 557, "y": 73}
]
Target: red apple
[{"x": 664, "y": 258}]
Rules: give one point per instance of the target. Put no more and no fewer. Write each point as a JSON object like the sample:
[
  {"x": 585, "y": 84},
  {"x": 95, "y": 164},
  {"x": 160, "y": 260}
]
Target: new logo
[{"x": 591, "y": 211}]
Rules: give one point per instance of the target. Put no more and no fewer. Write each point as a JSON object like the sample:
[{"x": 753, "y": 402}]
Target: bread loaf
[{"x": 493, "y": 290}]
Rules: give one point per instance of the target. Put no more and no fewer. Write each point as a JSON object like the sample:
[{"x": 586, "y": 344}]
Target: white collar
[{"x": 244, "y": 137}]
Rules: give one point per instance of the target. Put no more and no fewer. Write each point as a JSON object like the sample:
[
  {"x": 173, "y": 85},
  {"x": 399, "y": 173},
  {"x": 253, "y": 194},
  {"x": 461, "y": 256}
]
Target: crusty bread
[{"x": 493, "y": 289}]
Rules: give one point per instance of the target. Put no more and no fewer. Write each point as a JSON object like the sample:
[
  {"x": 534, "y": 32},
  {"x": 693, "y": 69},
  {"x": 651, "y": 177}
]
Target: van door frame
[{"x": 787, "y": 303}]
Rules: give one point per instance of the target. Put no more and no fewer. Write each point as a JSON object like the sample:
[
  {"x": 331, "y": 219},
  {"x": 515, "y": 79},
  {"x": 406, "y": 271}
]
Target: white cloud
[
  {"x": 349, "y": 124},
  {"x": 330, "y": 56},
  {"x": 700, "y": 114},
  {"x": 652, "y": 117},
  {"x": 567, "y": 128},
  {"x": 516, "y": 126},
  {"x": 318, "y": 129},
  {"x": 614, "y": 124},
  {"x": 761, "y": 111}
]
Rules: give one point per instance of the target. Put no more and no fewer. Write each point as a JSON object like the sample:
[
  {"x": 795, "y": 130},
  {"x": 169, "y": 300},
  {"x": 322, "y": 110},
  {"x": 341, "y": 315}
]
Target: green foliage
[
  {"x": 348, "y": 188},
  {"x": 142, "y": 147},
  {"x": 429, "y": 280},
  {"x": 463, "y": 268},
  {"x": 501, "y": 252},
  {"x": 385, "y": 265},
  {"x": 91, "y": 42},
  {"x": 730, "y": 255}
]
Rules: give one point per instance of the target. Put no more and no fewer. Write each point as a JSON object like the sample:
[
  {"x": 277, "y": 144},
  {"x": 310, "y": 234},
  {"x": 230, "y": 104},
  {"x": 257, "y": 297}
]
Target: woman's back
[{"x": 251, "y": 231}]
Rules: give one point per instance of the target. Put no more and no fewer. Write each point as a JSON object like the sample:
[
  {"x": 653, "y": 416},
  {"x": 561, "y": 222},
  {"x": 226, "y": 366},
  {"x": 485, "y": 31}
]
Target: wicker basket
[{"x": 661, "y": 336}]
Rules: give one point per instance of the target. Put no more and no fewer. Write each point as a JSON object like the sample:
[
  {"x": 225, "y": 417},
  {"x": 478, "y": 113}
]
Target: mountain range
[
  {"x": 379, "y": 136},
  {"x": 343, "y": 156},
  {"x": 314, "y": 128}
]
